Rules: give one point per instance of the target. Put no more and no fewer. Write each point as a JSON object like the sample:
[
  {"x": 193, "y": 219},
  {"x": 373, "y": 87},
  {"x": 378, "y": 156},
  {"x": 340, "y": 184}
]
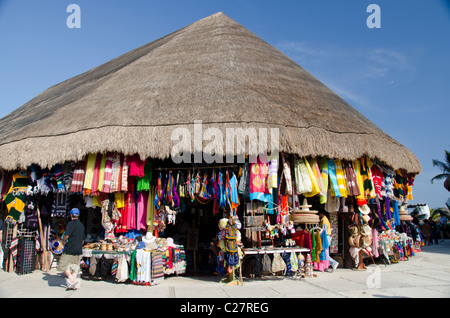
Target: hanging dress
[{"x": 258, "y": 181}]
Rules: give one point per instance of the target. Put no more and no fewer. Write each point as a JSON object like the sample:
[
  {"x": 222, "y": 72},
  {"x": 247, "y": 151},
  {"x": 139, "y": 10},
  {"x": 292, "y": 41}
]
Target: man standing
[
  {"x": 442, "y": 225},
  {"x": 73, "y": 249},
  {"x": 326, "y": 226}
]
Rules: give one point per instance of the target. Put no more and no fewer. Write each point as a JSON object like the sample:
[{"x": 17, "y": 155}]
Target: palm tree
[{"x": 444, "y": 166}]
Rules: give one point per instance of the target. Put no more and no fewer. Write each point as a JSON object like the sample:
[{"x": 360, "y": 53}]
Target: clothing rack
[{"x": 197, "y": 167}]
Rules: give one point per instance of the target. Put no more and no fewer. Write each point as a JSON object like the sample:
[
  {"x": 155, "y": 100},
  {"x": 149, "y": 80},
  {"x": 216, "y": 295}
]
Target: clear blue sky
[{"x": 398, "y": 76}]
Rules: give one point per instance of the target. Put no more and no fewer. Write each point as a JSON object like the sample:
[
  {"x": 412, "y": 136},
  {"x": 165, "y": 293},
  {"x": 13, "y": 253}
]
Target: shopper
[
  {"x": 73, "y": 250},
  {"x": 426, "y": 230},
  {"x": 442, "y": 225},
  {"x": 326, "y": 226},
  {"x": 434, "y": 231}
]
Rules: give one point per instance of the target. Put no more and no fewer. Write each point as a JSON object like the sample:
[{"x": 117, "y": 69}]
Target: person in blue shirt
[{"x": 73, "y": 250}]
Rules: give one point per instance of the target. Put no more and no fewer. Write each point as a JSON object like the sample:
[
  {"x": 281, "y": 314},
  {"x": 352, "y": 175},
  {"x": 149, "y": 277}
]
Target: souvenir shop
[{"x": 149, "y": 219}]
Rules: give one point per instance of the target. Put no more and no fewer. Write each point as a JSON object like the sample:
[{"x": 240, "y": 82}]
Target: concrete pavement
[{"x": 425, "y": 275}]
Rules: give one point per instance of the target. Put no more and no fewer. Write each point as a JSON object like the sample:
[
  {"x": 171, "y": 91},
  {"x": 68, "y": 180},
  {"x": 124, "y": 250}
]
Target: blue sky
[{"x": 398, "y": 76}]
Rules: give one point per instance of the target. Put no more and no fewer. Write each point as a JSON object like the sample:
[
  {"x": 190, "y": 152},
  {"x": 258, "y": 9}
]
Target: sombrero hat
[
  {"x": 364, "y": 209},
  {"x": 304, "y": 208},
  {"x": 56, "y": 246},
  {"x": 365, "y": 218}
]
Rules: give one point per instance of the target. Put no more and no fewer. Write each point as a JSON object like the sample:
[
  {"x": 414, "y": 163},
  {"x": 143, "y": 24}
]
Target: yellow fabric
[
  {"x": 316, "y": 171},
  {"x": 324, "y": 221},
  {"x": 359, "y": 178},
  {"x": 323, "y": 163},
  {"x": 340, "y": 176},
  {"x": 150, "y": 208},
  {"x": 367, "y": 177},
  {"x": 101, "y": 173},
  {"x": 89, "y": 174},
  {"x": 318, "y": 247},
  {"x": 409, "y": 196},
  {"x": 119, "y": 198},
  {"x": 95, "y": 201},
  {"x": 315, "y": 185}
]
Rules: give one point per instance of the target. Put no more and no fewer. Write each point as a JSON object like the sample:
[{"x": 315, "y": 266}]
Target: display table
[
  {"x": 100, "y": 253},
  {"x": 271, "y": 250}
]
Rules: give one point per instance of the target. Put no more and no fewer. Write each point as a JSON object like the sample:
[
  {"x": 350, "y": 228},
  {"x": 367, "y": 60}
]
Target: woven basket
[{"x": 302, "y": 218}]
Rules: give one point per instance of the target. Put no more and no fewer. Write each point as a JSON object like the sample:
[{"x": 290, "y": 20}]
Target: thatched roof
[{"x": 213, "y": 70}]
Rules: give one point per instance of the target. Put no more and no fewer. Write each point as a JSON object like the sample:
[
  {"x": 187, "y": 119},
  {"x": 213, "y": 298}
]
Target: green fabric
[
  {"x": 143, "y": 184},
  {"x": 133, "y": 266}
]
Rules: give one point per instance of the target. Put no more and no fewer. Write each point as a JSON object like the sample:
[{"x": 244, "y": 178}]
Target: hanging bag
[
  {"x": 294, "y": 262},
  {"x": 266, "y": 264},
  {"x": 278, "y": 264}
]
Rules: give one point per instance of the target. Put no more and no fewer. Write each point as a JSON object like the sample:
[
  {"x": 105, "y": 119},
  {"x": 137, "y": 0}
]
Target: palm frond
[
  {"x": 441, "y": 165},
  {"x": 440, "y": 177}
]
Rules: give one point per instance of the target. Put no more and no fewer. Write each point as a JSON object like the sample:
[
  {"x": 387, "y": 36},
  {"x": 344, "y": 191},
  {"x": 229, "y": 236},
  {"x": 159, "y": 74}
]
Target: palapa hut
[{"x": 214, "y": 70}]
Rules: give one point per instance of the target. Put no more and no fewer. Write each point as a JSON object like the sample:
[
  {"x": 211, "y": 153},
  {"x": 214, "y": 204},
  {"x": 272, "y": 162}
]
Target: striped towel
[
  {"x": 108, "y": 173},
  {"x": 78, "y": 177}
]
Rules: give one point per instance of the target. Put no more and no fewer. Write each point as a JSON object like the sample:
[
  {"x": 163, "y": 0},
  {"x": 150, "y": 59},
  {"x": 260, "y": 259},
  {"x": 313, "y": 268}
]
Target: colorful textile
[
  {"x": 137, "y": 166},
  {"x": 124, "y": 177},
  {"x": 141, "y": 211},
  {"x": 258, "y": 180},
  {"x": 315, "y": 188},
  {"x": 106, "y": 188},
  {"x": 301, "y": 176},
  {"x": 272, "y": 178},
  {"x": 101, "y": 173},
  {"x": 150, "y": 209},
  {"x": 359, "y": 179},
  {"x": 115, "y": 173},
  {"x": 369, "y": 189},
  {"x": 89, "y": 173},
  {"x": 15, "y": 199},
  {"x": 340, "y": 176},
  {"x": 352, "y": 182},
  {"x": 377, "y": 179},
  {"x": 143, "y": 183},
  {"x": 323, "y": 165},
  {"x": 78, "y": 177},
  {"x": 334, "y": 186},
  {"x": 96, "y": 176}
]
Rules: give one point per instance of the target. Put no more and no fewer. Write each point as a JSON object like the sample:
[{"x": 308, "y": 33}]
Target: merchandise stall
[{"x": 243, "y": 212}]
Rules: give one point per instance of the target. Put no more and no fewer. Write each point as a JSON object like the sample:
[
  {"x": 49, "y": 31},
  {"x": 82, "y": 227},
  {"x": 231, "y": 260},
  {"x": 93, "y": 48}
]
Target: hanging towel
[
  {"x": 333, "y": 179},
  {"x": 340, "y": 176},
  {"x": 323, "y": 165}
]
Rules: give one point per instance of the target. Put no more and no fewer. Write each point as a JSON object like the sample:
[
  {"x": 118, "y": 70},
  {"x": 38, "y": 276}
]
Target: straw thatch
[{"x": 215, "y": 71}]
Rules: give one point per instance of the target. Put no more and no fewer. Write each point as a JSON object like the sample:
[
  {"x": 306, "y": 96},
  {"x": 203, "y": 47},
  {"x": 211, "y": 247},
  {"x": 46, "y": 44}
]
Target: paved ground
[{"x": 425, "y": 275}]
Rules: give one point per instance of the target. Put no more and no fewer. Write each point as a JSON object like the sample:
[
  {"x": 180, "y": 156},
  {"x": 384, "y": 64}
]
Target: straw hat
[
  {"x": 148, "y": 238},
  {"x": 169, "y": 242},
  {"x": 366, "y": 229},
  {"x": 402, "y": 210},
  {"x": 365, "y": 218},
  {"x": 304, "y": 208},
  {"x": 364, "y": 209}
]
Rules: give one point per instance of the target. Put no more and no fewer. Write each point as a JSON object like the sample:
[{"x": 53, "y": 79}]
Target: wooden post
[{"x": 46, "y": 269}]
